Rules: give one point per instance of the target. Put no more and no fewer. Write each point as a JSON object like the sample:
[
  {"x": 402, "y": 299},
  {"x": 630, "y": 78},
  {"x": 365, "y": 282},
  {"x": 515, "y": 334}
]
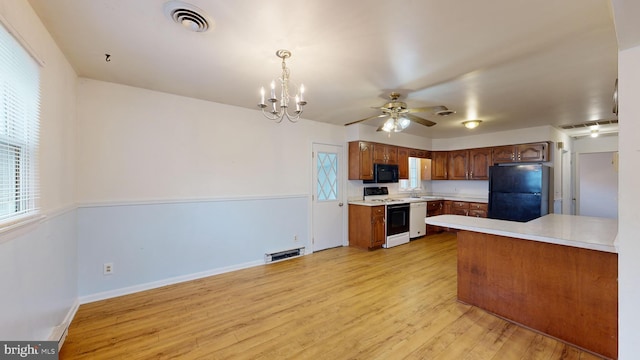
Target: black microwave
[{"x": 383, "y": 173}]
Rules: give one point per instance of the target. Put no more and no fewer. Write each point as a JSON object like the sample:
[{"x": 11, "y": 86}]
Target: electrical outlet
[
  {"x": 107, "y": 269},
  {"x": 295, "y": 238}
]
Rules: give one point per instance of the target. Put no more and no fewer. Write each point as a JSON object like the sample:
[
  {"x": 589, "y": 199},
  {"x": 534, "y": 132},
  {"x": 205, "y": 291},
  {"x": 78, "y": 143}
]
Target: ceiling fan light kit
[
  {"x": 399, "y": 115},
  {"x": 471, "y": 124},
  {"x": 278, "y": 113}
]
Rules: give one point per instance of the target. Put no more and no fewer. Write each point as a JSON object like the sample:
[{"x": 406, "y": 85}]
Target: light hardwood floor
[{"x": 341, "y": 303}]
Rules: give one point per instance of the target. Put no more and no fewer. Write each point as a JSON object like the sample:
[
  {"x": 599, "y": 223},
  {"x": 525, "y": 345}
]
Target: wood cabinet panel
[
  {"x": 425, "y": 169},
  {"x": 479, "y": 162},
  {"x": 423, "y": 154},
  {"x": 534, "y": 152},
  {"x": 458, "y": 165},
  {"x": 439, "y": 165},
  {"x": 566, "y": 292},
  {"x": 360, "y": 160},
  {"x": 504, "y": 154},
  {"x": 478, "y": 206},
  {"x": 434, "y": 208},
  {"x": 385, "y": 154},
  {"x": 403, "y": 163},
  {"x": 477, "y": 213},
  {"x": 366, "y": 226}
]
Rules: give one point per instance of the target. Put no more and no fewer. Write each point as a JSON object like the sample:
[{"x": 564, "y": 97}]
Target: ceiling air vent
[
  {"x": 187, "y": 15},
  {"x": 589, "y": 124}
]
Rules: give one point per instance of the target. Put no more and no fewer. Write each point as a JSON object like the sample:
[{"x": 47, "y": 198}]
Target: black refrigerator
[{"x": 518, "y": 192}]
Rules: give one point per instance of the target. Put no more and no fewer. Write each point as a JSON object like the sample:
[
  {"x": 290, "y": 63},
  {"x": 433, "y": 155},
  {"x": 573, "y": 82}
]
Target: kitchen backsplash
[{"x": 462, "y": 188}]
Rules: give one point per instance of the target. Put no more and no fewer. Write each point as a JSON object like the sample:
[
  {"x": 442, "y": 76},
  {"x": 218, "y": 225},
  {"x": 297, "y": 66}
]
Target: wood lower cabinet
[
  {"x": 460, "y": 208},
  {"x": 439, "y": 165},
  {"x": 434, "y": 208},
  {"x": 464, "y": 208},
  {"x": 366, "y": 226},
  {"x": 478, "y": 210}
]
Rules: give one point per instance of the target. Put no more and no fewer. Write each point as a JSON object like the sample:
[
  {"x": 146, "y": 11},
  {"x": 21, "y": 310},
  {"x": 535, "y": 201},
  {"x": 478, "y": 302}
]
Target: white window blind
[{"x": 19, "y": 124}]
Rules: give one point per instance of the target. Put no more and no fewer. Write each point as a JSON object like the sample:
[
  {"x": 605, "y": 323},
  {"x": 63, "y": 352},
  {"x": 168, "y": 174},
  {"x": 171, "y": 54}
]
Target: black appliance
[
  {"x": 518, "y": 192},
  {"x": 397, "y": 218},
  {"x": 383, "y": 173}
]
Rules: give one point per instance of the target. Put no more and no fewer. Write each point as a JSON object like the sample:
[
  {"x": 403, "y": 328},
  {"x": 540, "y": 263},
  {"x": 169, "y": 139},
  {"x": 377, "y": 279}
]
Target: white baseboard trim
[
  {"x": 59, "y": 333},
  {"x": 164, "y": 282}
]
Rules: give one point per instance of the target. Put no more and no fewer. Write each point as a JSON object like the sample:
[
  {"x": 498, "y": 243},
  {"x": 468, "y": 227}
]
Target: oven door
[{"x": 397, "y": 219}]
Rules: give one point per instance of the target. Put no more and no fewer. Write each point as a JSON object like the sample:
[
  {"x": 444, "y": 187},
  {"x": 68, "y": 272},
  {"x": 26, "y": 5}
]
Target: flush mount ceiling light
[
  {"x": 279, "y": 113},
  {"x": 187, "y": 15},
  {"x": 471, "y": 124}
]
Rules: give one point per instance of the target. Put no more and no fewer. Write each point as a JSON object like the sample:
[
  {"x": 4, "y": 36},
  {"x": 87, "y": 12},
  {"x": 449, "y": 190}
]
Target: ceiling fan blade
[
  {"x": 431, "y": 109},
  {"x": 419, "y": 120},
  {"x": 365, "y": 119}
]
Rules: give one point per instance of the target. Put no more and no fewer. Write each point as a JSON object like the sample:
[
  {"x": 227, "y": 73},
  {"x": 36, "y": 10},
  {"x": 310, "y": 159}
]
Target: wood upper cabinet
[
  {"x": 439, "y": 165},
  {"x": 422, "y": 154},
  {"x": 472, "y": 164},
  {"x": 385, "y": 154},
  {"x": 434, "y": 208},
  {"x": 479, "y": 162},
  {"x": 458, "y": 165},
  {"x": 535, "y": 152},
  {"x": 366, "y": 226},
  {"x": 360, "y": 160},
  {"x": 425, "y": 169},
  {"x": 403, "y": 162}
]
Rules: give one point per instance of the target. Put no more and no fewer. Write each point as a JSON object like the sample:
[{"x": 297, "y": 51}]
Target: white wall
[
  {"x": 173, "y": 188},
  {"x": 629, "y": 216},
  {"x": 38, "y": 262}
]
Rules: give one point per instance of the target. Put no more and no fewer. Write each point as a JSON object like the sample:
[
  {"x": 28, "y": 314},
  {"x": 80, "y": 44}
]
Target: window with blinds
[{"x": 19, "y": 123}]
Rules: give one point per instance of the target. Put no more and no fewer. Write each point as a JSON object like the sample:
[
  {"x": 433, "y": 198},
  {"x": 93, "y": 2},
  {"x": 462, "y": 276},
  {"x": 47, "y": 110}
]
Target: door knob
[{"x": 340, "y": 204}]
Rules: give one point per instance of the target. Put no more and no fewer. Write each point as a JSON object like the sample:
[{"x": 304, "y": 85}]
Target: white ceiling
[{"x": 511, "y": 63}]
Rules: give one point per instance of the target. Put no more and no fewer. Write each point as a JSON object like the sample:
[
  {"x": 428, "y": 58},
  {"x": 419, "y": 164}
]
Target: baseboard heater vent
[{"x": 283, "y": 255}]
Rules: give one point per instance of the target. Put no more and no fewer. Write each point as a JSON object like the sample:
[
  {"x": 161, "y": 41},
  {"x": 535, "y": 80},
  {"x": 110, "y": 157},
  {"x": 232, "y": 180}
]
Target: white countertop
[
  {"x": 423, "y": 199},
  {"x": 578, "y": 231}
]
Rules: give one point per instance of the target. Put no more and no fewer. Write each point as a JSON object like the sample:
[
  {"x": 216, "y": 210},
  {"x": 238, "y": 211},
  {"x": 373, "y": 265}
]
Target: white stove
[{"x": 397, "y": 215}]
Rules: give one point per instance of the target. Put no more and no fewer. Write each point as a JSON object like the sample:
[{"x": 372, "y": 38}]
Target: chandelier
[
  {"x": 279, "y": 108},
  {"x": 395, "y": 123}
]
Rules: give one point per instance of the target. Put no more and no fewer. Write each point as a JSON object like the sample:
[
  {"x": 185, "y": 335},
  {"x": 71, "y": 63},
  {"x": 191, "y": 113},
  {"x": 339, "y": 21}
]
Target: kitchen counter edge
[{"x": 570, "y": 230}]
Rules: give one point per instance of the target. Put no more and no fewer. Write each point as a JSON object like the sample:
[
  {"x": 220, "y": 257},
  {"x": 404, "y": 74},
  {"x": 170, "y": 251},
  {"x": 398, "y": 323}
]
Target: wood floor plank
[{"x": 341, "y": 303}]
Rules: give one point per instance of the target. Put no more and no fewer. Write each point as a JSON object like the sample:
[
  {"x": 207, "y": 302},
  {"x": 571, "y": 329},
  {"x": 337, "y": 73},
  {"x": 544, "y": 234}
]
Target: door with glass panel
[{"x": 328, "y": 207}]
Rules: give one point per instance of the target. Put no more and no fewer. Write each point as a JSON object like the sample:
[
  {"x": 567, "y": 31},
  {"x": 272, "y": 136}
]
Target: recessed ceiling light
[{"x": 189, "y": 16}]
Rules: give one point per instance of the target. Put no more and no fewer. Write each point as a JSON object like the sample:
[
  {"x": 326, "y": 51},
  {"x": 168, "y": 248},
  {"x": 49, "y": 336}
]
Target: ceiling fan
[{"x": 400, "y": 116}]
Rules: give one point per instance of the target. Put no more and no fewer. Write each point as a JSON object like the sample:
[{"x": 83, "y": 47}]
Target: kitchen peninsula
[{"x": 556, "y": 274}]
